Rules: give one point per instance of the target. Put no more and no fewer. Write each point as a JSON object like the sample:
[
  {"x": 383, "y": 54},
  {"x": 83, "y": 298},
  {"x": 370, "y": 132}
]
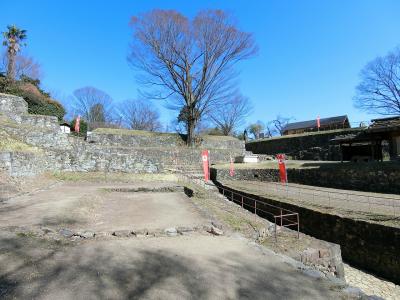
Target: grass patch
[
  {"x": 134, "y": 132},
  {"x": 112, "y": 177},
  {"x": 28, "y": 234},
  {"x": 154, "y": 134}
]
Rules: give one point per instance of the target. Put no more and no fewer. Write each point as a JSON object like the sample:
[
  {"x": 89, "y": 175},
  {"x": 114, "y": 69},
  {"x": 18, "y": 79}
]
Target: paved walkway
[{"x": 370, "y": 284}]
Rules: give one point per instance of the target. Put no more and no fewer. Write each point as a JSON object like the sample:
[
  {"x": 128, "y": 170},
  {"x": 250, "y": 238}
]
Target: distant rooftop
[{"x": 324, "y": 122}]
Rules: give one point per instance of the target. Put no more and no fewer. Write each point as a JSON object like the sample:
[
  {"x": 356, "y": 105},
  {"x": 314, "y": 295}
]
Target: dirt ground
[{"x": 36, "y": 262}]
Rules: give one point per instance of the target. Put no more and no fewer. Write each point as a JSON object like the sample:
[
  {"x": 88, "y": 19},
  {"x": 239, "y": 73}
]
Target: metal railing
[
  {"x": 280, "y": 216},
  {"x": 263, "y": 209}
]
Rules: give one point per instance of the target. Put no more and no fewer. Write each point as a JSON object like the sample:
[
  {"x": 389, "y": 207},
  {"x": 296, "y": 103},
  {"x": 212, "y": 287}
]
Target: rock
[
  {"x": 47, "y": 230},
  {"x": 215, "y": 231},
  {"x": 262, "y": 234},
  {"x": 353, "y": 292},
  {"x": 171, "y": 231},
  {"x": 216, "y": 224},
  {"x": 88, "y": 234},
  {"x": 66, "y": 232},
  {"x": 183, "y": 229},
  {"x": 314, "y": 273},
  {"x": 123, "y": 233},
  {"x": 324, "y": 253},
  {"x": 309, "y": 255}
]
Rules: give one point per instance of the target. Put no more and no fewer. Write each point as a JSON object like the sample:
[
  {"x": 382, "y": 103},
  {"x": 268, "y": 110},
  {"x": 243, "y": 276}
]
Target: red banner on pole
[
  {"x": 318, "y": 122},
  {"x": 282, "y": 168},
  {"x": 206, "y": 164},
  {"x": 77, "y": 124},
  {"x": 232, "y": 169}
]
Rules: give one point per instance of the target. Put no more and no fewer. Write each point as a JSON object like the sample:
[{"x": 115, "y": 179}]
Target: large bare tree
[
  {"x": 379, "y": 90},
  {"x": 94, "y": 105},
  {"x": 139, "y": 115},
  {"x": 232, "y": 114},
  {"x": 189, "y": 61}
]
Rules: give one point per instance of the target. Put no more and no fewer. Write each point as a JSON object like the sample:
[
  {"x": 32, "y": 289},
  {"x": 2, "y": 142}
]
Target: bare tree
[
  {"x": 139, "y": 115},
  {"x": 189, "y": 62},
  {"x": 232, "y": 114},
  {"x": 93, "y": 105},
  {"x": 379, "y": 90},
  {"x": 280, "y": 123},
  {"x": 270, "y": 129},
  {"x": 24, "y": 66}
]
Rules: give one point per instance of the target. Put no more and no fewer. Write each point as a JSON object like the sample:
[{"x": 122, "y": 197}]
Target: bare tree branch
[
  {"x": 379, "y": 90},
  {"x": 94, "y": 105},
  {"x": 230, "y": 116},
  {"x": 139, "y": 115}
]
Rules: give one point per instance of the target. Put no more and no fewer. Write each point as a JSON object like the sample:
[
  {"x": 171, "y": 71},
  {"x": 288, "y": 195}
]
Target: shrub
[
  {"x": 83, "y": 126},
  {"x": 39, "y": 102}
]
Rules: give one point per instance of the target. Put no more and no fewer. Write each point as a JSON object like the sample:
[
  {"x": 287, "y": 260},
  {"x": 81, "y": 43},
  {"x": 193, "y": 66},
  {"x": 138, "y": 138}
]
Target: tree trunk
[
  {"x": 190, "y": 132},
  {"x": 11, "y": 66}
]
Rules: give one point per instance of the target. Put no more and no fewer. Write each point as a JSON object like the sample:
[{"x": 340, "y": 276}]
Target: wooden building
[
  {"x": 367, "y": 144},
  {"x": 332, "y": 123}
]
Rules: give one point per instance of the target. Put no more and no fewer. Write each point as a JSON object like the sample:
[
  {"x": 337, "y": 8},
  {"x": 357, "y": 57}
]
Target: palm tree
[{"x": 12, "y": 40}]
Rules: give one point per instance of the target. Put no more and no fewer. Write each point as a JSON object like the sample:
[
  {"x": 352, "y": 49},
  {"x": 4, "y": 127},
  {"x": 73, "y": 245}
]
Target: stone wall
[
  {"x": 19, "y": 164},
  {"x": 13, "y": 106},
  {"x": 122, "y": 151},
  {"x": 379, "y": 177},
  {"x": 134, "y": 138},
  {"x": 369, "y": 246},
  {"x": 46, "y": 122},
  {"x": 310, "y": 146}
]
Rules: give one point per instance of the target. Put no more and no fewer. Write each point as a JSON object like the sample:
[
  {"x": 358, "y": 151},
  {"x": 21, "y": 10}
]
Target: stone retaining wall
[
  {"x": 311, "y": 146},
  {"x": 369, "y": 177},
  {"x": 128, "y": 138},
  {"x": 369, "y": 246}
]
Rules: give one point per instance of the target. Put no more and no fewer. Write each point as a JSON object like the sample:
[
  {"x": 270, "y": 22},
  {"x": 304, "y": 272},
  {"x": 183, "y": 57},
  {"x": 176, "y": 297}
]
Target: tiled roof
[{"x": 313, "y": 123}]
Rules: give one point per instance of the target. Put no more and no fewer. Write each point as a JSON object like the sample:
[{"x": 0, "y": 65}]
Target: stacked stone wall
[
  {"x": 369, "y": 246},
  {"x": 134, "y": 153},
  {"x": 151, "y": 140},
  {"x": 313, "y": 146},
  {"x": 369, "y": 177}
]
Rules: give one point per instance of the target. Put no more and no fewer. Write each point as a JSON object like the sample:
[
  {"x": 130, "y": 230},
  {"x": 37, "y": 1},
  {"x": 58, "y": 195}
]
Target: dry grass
[
  {"x": 153, "y": 133},
  {"x": 9, "y": 143},
  {"x": 133, "y": 132},
  {"x": 111, "y": 177},
  {"x": 290, "y": 164}
]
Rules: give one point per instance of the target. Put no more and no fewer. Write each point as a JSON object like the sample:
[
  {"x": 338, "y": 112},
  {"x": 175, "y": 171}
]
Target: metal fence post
[
  {"x": 298, "y": 226},
  {"x": 242, "y": 201}
]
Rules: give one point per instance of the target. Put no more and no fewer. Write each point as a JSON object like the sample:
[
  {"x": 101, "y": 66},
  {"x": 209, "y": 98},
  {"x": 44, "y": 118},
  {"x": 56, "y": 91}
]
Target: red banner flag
[
  {"x": 318, "y": 122},
  {"x": 206, "y": 164},
  {"x": 282, "y": 168},
  {"x": 77, "y": 124},
  {"x": 232, "y": 169}
]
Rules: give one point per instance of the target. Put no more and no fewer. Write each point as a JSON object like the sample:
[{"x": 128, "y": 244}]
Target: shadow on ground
[{"x": 32, "y": 268}]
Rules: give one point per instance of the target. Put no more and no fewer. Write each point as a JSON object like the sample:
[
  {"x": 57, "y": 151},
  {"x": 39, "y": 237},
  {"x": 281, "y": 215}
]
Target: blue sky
[{"x": 311, "y": 51}]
